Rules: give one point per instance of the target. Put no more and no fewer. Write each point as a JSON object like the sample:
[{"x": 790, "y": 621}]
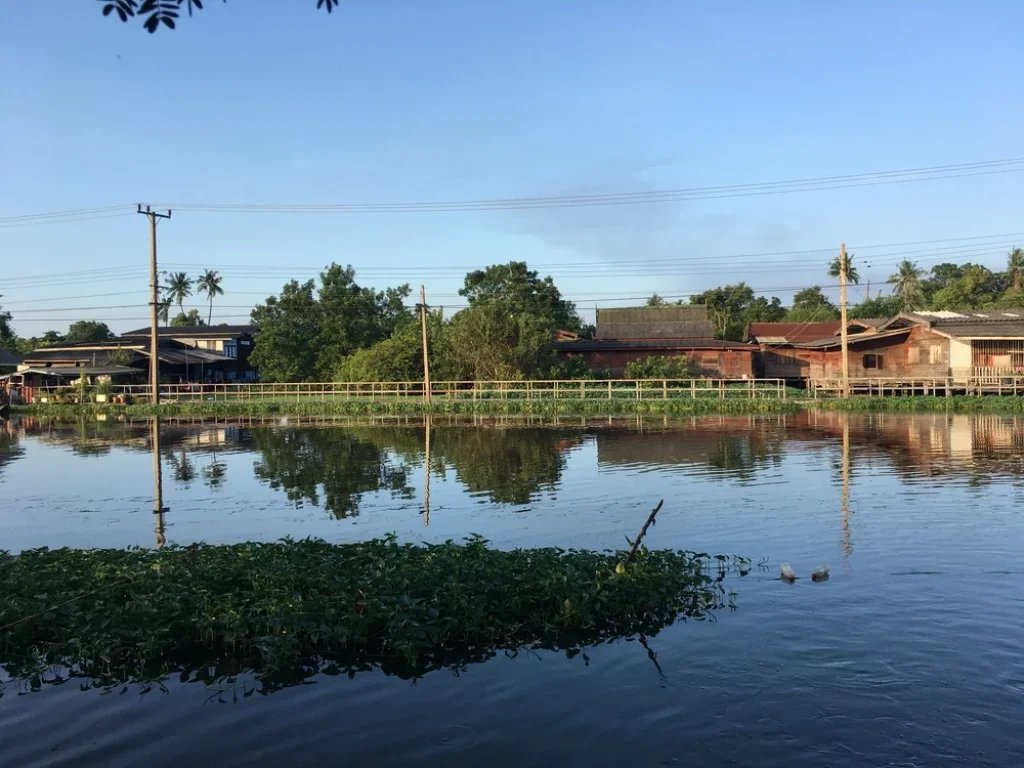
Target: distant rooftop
[
  {"x": 686, "y": 322},
  {"x": 8, "y": 358},
  {"x": 194, "y": 331}
]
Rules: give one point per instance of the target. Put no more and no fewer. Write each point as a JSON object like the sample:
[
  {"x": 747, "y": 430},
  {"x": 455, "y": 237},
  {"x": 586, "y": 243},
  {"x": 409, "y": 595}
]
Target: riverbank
[
  {"x": 410, "y": 407},
  {"x": 291, "y": 609}
]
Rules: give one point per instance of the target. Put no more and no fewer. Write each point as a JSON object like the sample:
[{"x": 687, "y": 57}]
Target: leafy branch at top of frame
[{"x": 167, "y": 12}]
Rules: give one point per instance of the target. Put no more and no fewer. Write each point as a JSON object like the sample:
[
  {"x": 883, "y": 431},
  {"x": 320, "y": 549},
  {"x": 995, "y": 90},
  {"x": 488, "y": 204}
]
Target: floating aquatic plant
[{"x": 292, "y": 609}]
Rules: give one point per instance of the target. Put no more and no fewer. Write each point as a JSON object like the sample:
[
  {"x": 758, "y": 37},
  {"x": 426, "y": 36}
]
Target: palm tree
[
  {"x": 1015, "y": 267},
  {"x": 163, "y": 309},
  {"x": 907, "y": 284},
  {"x": 209, "y": 283},
  {"x": 851, "y": 271},
  {"x": 179, "y": 287}
]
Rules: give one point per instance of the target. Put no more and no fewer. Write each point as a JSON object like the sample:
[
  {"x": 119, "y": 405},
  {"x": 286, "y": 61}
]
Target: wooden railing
[
  {"x": 569, "y": 389},
  {"x": 985, "y": 384}
]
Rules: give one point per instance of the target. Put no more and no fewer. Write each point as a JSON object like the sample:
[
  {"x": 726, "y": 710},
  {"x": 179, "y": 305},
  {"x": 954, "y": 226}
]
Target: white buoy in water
[
  {"x": 820, "y": 573},
  {"x": 787, "y": 573}
]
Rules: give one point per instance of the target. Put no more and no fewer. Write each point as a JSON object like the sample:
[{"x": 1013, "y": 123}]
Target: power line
[{"x": 989, "y": 167}]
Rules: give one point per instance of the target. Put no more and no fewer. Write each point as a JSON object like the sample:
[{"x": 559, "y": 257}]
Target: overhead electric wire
[{"x": 983, "y": 168}]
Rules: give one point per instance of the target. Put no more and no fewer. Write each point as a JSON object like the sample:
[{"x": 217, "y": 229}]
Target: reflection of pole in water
[
  {"x": 158, "y": 484},
  {"x": 846, "y": 544},
  {"x": 426, "y": 470}
]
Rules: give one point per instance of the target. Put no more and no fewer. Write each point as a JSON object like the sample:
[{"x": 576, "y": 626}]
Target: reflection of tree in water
[
  {"x": 345, "y": 466},
  {"x": 181, "y": 467},
  {"x": 9, "y": 447},
  {"x": 510, "y": 465},
  {"x": 213, "y": 473}
]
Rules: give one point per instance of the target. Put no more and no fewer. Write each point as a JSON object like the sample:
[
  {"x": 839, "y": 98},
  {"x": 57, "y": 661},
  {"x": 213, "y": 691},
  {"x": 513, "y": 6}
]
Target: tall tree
[
  {"x": 520, "y": 289},
  {"x": 851, "y": 271},
  {"x": 163, "y": 309},
  {"x": 8, "y": 339},
  {"x": 209, "y": 283},
  {"x": 306, "y": 333},
  {"x": 88, "y": 330},
  {"x": 1015, "y": 268},
  {"x": 189, "y": 319},
  {"x": 907, "y": 284},
  {"x": 975, "y": 287},
  {"x": 179, "y": 288},
  {"x": 811, "y": 305},
  {"x": 725, "y": 307},
  {"x": 495, "y": 340}
]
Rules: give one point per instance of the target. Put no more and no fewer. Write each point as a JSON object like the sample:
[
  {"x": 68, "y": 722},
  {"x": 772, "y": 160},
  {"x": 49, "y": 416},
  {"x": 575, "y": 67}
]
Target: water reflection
[
  {"x": 10, "y": 449},
  {"x": 158, "y": 485},
  {"x": 335, "y": 464}
]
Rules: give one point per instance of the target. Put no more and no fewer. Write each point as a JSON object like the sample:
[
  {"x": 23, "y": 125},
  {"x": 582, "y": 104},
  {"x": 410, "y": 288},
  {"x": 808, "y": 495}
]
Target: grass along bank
[
  {"x": 908, "y": 404},
  {"x": 400, "y": 407},
  {"x": 292, "y": 609}
]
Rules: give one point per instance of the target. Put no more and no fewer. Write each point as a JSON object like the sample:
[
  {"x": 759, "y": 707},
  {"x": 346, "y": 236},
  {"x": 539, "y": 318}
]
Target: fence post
[
  {"x": 721, "y": 389},
  {"x": 609, "y": 389},
  {"x": 583, "y": 389},
  {"x": 639, "y": 390},
  {"x": 664, "y": 389},
  {"x": 693, "y": 389}
]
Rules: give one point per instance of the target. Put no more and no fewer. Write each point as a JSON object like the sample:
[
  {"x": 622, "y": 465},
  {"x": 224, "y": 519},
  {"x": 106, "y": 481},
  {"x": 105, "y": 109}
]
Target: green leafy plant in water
[{"x": 293, "y": 609}]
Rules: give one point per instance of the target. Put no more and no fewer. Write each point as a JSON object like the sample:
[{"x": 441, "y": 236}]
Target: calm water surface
[{"x": 912, "y": 654}]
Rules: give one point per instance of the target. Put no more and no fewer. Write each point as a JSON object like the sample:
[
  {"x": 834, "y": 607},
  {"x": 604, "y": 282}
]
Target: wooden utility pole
[
  {"x": 426, "y": 358},
  {"x": 154, "y": 299},
  {"x": 842, "y": 319}
]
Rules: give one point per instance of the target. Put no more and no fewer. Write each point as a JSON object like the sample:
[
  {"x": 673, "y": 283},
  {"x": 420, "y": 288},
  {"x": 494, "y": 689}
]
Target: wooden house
[
  {"x": 787, "y": 351},
  {"x": 234, "y": 342},
  {"x": 625, "y": 335},
  {"x": 974, "y": 343}
]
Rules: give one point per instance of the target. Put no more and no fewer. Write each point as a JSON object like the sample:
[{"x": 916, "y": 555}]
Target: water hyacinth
[{"x": 291, "y": 609}]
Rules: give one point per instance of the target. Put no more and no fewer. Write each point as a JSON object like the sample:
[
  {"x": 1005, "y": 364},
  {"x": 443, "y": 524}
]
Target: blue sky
[{"x": 404, "y": 101}]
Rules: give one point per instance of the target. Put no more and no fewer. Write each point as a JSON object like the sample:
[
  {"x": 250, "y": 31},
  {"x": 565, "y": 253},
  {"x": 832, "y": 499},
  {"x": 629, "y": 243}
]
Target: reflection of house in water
[{"x": 919, "y": 445}]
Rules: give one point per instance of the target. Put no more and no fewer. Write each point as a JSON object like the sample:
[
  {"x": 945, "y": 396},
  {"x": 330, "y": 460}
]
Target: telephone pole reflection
[{"x": 158, "y": 484}]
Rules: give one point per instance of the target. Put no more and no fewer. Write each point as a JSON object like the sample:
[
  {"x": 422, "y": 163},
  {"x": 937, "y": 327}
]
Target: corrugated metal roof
[
  {"x": 853, "y": 338},
  {"x": 689, "y": 322},
  {"x": 988, "y": 323},
  {"x": 794, "y": 332},
  {"x": 193, "y": 331},
  {"x": 608, "y": 345},
  {"x": 89, "y": 370},
  {"x": 8, "y": 358}
]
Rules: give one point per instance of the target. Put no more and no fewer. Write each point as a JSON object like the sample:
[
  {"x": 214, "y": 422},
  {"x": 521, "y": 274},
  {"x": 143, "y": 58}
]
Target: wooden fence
[
  {"x": 584, "y": 389},
  {"x": 984, "y": 384}
]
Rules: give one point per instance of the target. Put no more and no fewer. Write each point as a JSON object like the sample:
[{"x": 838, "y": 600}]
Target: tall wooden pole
[
  {"x": 842, "y": 319},
  {"x": 426, "y": 466},
  {"x": 426, "y": 358},
  {"x": 154, "y": 299}
]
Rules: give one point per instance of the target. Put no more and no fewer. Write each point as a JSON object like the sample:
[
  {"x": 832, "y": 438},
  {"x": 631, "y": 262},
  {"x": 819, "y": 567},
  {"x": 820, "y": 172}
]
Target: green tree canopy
[
  {"x": 88, "y": 330},
  {"x": 306, "y": 332},
  {"x": 178, "y": 288},
  {"x": 155, "y": 13},
  {"x": 811, "y": 305},
  {"x": 186, "y": 319},
  {"x": 496, "y": 340},
  {"x": 907, "y": 285},
  {"x": 210, "y": 283},
  {"x": 520, "y": 289},
  {"x": 400, "y": 356},
  {"x": 851, "y": 271},
  {"x": 8, "y": 339},
  {"x": 732, "y": 308},
  {"x": 880, "y": 306}
]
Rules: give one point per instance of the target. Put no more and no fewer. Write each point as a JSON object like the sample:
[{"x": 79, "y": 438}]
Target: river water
[{"x": 911, "y": 654}]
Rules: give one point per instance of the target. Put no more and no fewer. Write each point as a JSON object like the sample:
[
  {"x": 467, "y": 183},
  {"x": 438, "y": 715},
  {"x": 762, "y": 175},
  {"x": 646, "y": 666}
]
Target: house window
[
  {"x": 936, "y": 354},
  {"x": 874, "y": 361},
  {"x": 230, "y": 349},
  {"x": 914, "y": 355}
]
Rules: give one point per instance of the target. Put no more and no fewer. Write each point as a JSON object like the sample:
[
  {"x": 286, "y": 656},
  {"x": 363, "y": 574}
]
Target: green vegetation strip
[
  {"x": 292, "y": 609},
  {"x": 958, "y": 403},
  {"x": 412, "y": 407}
]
